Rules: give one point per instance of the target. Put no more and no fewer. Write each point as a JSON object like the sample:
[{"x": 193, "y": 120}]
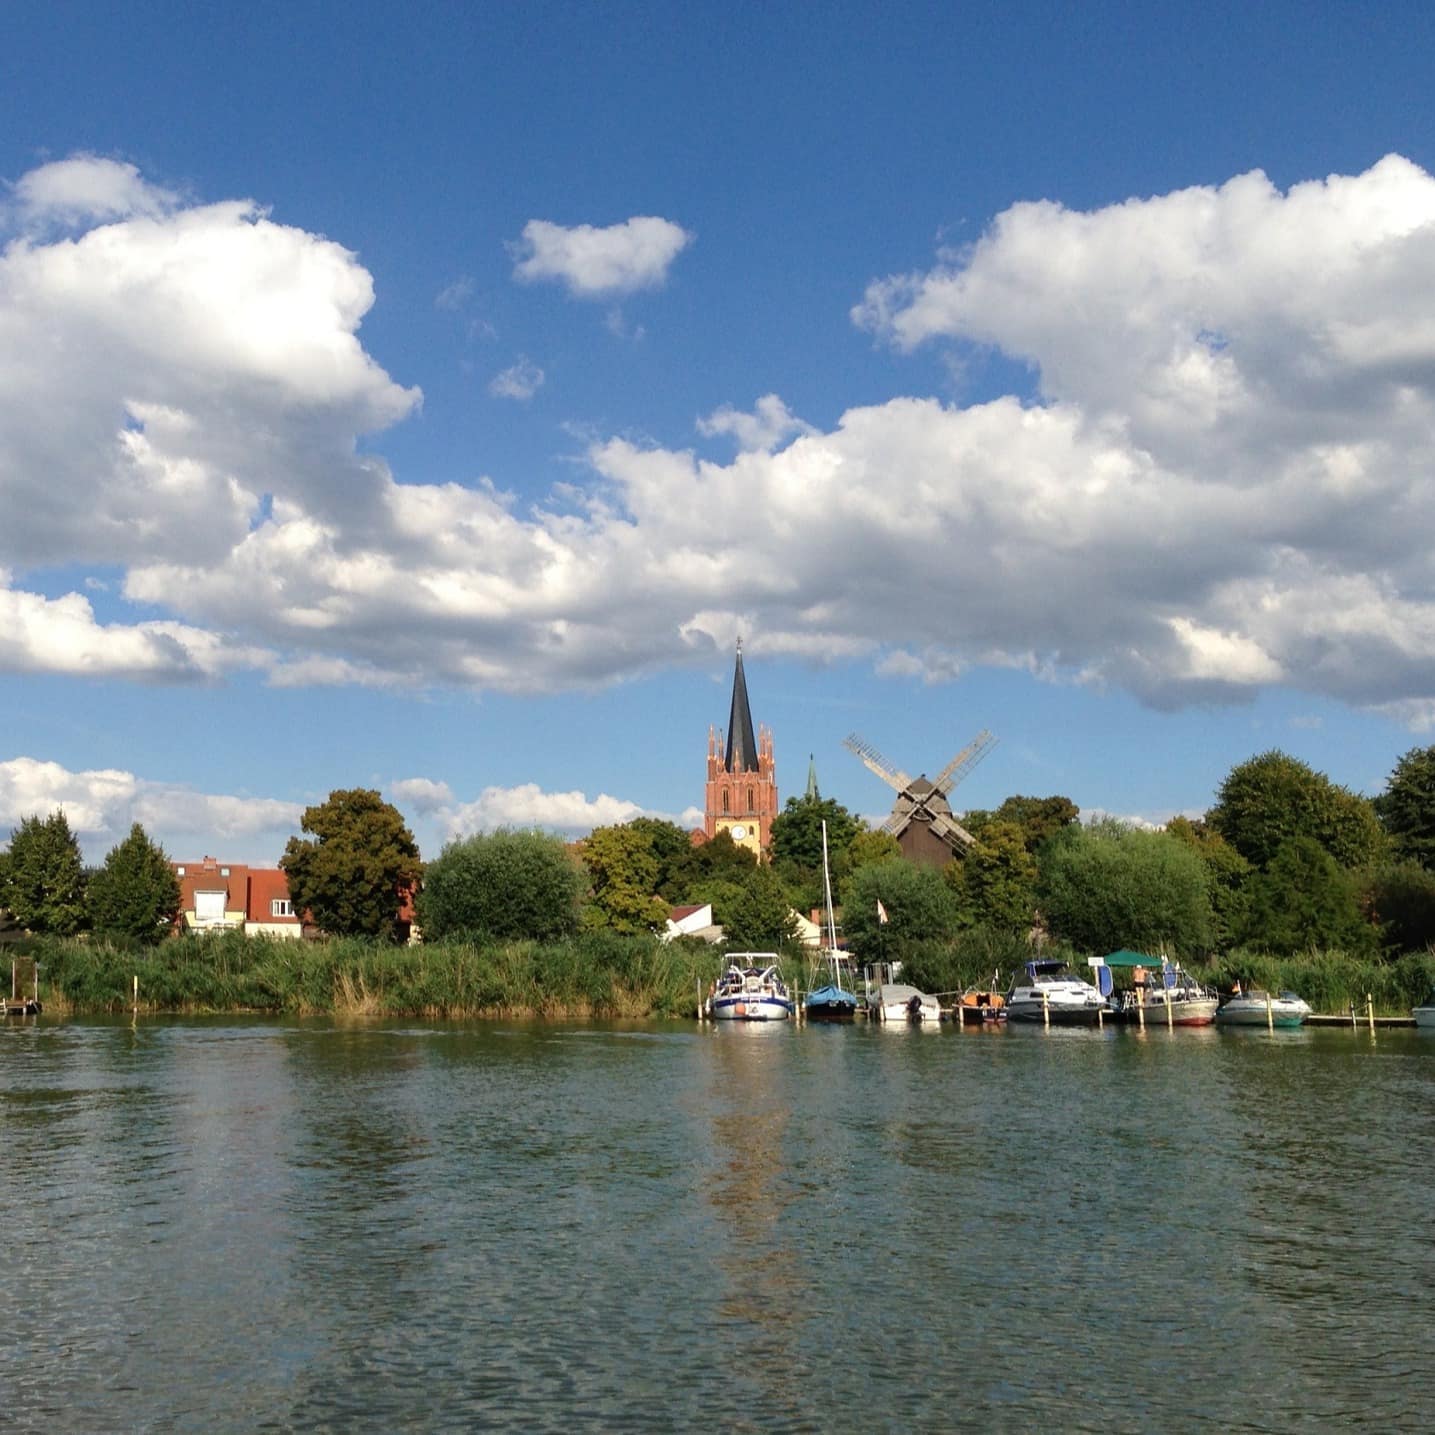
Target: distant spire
[
  {"x": 741, "y": 753},
  {"x": 813, "y": 795}
]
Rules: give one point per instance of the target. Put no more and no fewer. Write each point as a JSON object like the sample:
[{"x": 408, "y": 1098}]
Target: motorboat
[
  {"x": 980, "y": 1005},
  {"x": 831, "y": 1001},
  {"x": 891, "y": 1000},
  {"x": 1284, "y": 1009},
  {"x": 1052, "y": 994},
  {"x": 1425, "y": 1015},
  {"x": 751, "y": 988},
  {"x": 1179, "y": 1000}
]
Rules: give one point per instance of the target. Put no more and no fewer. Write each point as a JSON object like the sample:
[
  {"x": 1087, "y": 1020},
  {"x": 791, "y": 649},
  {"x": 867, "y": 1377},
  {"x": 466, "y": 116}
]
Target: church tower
[{"x": 741, "y": 795}]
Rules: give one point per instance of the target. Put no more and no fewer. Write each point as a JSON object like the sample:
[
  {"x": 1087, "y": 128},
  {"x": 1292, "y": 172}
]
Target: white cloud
[
  {"x": 519, "y": 381},
  {"x": 454, "y": 295},
  {"x": 423, "y": 794},
  {"x": 1225, "y": 484},
  {"x": 770, "y": 424},
  {"x": 571, "y": 814},
  {"x": 598, "y": 263},
  {"x": 61, "y": 636},
  {"x": 102, "y": 804},
  {"x": 86, "y": 187}
]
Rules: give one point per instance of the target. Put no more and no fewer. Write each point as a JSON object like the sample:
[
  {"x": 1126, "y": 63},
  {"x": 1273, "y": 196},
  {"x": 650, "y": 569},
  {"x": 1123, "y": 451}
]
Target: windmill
[{"x": 921, "y": 819}]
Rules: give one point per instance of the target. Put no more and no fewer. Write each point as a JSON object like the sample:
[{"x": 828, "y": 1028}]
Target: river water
[{"x": 236, "y": 1225}]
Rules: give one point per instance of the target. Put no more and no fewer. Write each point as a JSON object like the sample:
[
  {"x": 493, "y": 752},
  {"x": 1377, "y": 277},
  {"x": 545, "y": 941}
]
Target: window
[
  {"x": 281, "y": 907},
  {"x": 179, "y": 871},
  {"x": 725, "y": 807},
  {"x": 750, "y": 807},
  {"x": 224, "y": 871},
  {"x": 209, "y": 906}
]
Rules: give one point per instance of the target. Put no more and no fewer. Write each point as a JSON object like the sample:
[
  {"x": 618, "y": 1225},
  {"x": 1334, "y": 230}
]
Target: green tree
[
  {"x": 873, "y": 845},
  {"x": 1038, "y": 817},
  {"x": 624, "y": 871},
  {"x": 995, "y": 881},
  {"x": 1401, "y": 898},
  {"x": 1305, "y": 902},
  {"x": 43, "y": 877},
  {"x": 1228, "y": 876},
  {"x": 1407, "y": 807},
  {"x": 502, "y": 886},
  {"x": 1108, "y": 885},
  {"x": 672, "y": 847},
  {"x": 918, "y": 907},
  {"x": 352, "y": 875},
  {"x": 1268, "y": 800},
  {"x": 136, "y": 893},
  {"x": 797, "y": 832},
  {"x": 750, "y": 905}
]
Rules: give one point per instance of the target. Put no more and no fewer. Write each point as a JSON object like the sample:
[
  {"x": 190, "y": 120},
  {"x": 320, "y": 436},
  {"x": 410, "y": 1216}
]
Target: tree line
[{"x": 1285, "y": 861}]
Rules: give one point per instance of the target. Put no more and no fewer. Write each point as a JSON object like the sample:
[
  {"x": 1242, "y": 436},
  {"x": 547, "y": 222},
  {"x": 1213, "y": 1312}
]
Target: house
[
  {"x": 692, "y": 922},
  {"x": 221, "y": 896}
]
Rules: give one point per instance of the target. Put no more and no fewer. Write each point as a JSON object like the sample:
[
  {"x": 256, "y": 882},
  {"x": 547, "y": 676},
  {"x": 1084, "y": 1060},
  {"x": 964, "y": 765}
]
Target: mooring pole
[
  {"x": 1370, "y": 1011},
  {"x": 1270, "y": 1014}
]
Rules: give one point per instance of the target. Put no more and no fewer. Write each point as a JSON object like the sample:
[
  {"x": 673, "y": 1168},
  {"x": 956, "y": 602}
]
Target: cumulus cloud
[
  {"x": 598, "y": 263},
  {"x": 519, "y": 381},
  {"x": 571, "y": 814},
  {"x": 1223, "y": 484},
  {"x": 61, "y": 635},
  {"x": 771, "y": 423},
  {"x": 86, "y": 187},
  {"x": 102, "y": 804}
]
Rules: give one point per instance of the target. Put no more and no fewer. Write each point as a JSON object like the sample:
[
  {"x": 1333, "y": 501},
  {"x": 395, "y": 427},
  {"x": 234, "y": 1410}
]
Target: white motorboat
[
  {"x": 751, "y": 989},
  {"x": 1052, "y": 994},
  {"x": 891, "y": 1000},
  {"x": 1176, "y": 998},
  {"x": 1284, "y": 1009},
  {"x": 1425, "y": 1015}
]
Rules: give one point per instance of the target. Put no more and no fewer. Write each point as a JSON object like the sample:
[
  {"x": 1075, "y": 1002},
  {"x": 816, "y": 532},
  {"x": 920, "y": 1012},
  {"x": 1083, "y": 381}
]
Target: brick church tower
[{"x": 741, "y": 795}]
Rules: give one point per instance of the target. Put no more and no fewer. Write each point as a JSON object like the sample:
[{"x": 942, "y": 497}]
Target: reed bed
[{"x": 593, "y": 976}]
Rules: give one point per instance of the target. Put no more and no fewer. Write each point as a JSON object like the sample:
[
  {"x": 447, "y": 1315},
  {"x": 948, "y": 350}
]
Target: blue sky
[{"x": 428, "y": 400}]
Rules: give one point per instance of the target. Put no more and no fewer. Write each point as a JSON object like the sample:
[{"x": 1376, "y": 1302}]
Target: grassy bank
[
  {"x": 597, "y": 975},
  {"x": 592, "y": 976}
]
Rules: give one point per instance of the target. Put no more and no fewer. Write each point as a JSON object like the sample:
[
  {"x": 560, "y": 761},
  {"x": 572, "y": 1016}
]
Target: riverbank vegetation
[{"x": 1287, "y": 882}]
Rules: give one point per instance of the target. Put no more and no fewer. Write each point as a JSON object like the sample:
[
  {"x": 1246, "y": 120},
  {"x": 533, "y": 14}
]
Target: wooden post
[
  {"x": 1270, "y": 1014},
  {"x": 1140, "y": 1013},
  {"x": 1370, "y": 1011},
  {"x": 1170, "y": 1019},
  {"x": 1046, "y": 1008},
  {"x": 1352, "y": 1016}
]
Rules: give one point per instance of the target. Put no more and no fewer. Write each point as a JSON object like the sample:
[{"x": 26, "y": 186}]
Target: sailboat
[{"x": 831, "y": 1002}]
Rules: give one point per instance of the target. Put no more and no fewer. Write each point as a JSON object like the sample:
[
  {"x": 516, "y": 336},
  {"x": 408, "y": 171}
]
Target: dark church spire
[{"x": 741, "y": 753}]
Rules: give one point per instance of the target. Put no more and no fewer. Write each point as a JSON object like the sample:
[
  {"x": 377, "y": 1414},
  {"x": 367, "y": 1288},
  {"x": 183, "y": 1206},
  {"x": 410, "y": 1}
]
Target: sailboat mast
[{"x": 827, "y": 893}]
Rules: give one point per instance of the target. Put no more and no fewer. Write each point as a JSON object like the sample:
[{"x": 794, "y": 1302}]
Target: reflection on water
[{"x": 251, "y": 1225}]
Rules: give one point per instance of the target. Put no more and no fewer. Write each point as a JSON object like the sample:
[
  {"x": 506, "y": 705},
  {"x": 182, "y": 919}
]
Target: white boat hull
[
  {"x": 1185, "y": 1011},
  {"x": 1424, "y": 1015},
  {"x": 745, "y": 1008},
  {"x": 1256, "y": 1011},
  {"x": 893, "y": 1001}
]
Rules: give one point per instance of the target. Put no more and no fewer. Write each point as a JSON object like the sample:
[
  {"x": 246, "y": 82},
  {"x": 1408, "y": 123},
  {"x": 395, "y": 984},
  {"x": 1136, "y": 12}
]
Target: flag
[{"x": 881, "y": 911}]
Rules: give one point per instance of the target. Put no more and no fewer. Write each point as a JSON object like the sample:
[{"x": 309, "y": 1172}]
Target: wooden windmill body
[{"x": 921, "y": 819}]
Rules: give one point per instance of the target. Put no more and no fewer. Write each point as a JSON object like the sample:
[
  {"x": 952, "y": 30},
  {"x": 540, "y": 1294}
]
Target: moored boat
[
  {"x": 751, "y": 988},
  {"x": 978, "y": 1005},
  {"x": 1284, "y": 1009},
  {"x": 891, "y": 1000},
  {"x": 1425, "y": 1015},
  {"x": 1052, "y": 994},
  {"x": 831, "y": 1001}
]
